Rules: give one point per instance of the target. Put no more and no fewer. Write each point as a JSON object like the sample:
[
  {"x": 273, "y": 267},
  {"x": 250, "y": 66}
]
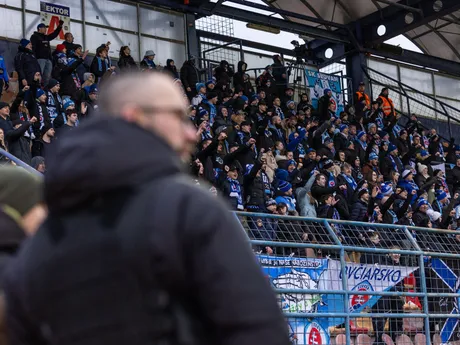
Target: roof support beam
[
  {"x": 397, "y": 4},
  {"x": 394, "y": 18}
]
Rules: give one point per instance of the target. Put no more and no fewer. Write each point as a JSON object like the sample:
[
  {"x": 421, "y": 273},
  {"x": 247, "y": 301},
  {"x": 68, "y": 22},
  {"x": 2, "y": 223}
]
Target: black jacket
[
  {"x": 145, "y": 253},
  {"x": 127, "y": 63},
  {"x": 238, "y": 77},
  {"x": 26, "y": 65},
  {"x": 41, "y": 43},
  {"x": 171, "y": 69},
  {"x": 68, "y": 74},
  {"x": 189, "y": 75}
]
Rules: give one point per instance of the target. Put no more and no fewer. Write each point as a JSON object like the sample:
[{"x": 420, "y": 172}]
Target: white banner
[{"x": 51, "y": 14}]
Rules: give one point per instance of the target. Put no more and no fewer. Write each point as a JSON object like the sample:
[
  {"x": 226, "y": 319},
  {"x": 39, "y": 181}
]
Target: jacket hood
[
  {"x": 276, "y": 60},
  {"x": 224, "y": 63},
  {"x": 103, "y": 155},
  {"x": 240, "y": 66},
  {"x": 168, "y": 62}
]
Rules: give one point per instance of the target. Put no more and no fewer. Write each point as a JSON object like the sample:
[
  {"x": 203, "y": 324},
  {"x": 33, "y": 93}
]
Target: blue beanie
[
  {"x": 40, "y": 93},
  {"x": 326, "y": 91},
  {"x": 284, "y": 186},
  {"x": 421, "y": 202},
  {"x": 342, "y": 127},
  {"x": 440, "y": 194},
  {"x": 281, "y": 174},
  {"x": 360, "y": 134},
  {"x": 199, "y": 86},
  {"x": 203, "y": 112},
  {"x": 24, "y": 42},
  {"x": 289, "y": 102},
  {"x": 391, "y": 147},
  {"x": 370, "y": 125},
  {"x": 68, "y": 103},
  {"x": 254, "y": 97},
  {"x": 311, "y": 150},
  {"x": 244, "y": 98},
  {"x": 385, "y": 189},
  {"x": 210, "y": 82},
  {"x": 373, "y": 155},
  {"x": 292, "y": 162}
]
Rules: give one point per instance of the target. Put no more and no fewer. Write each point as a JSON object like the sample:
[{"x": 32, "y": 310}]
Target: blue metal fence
[{"x": 319, "y": 259}]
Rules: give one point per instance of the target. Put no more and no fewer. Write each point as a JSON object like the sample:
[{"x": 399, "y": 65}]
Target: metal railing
[
  {"x": 338, "y": 280},
  {"x": 19, "y": 162}
]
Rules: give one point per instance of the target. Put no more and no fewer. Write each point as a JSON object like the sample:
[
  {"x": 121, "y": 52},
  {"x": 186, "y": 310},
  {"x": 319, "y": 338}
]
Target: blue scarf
[
  {"x": 279, "y": 112},
  {"x": 351, "y": 181},
  {"x": 51, "y": 106},
  {"x": 99, "y": 64},
  {"x": 379, "y": 122},
  {"x": 75, "y": 77},
  {"x": 363, "y": 144},
  {"x": 206, "y": 133},
  {"x": 331, "y": 180},
  {"x": 396, "y": 130},
  {"x": 212, "y": 111},
  {"x": 266, "y": 182},
  {"x": 393, "y": 215},
  {"x": 393, "y": 163},
  {"x": 150, "y": 63},
  {"x": 235, "y": 192},
  {"x": 62, "y": 58},
  {"x": 441, "y": 150}
]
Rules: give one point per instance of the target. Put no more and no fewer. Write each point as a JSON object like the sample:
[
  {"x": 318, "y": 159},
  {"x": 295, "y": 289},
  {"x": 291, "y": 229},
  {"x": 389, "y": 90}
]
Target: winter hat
[
  {"x": 91, "y": 89},
  {"x": 86, "y": 76},
  {"x": 360, "y": 134},
  {"x": 422, "y": 202},
  {"x": 149, "y": 53},
  {"x": 68, "y": 103},
  {"x": 289, "y": 103},
  {"x": 392, "y": 147},
  {"x": 440, "y": 194},
  {"x": 326, "y": 91},
  {"x": 342, "y": 127},
  {"x": 406, "y": 173},
  {"x": 211, "y": 95},
  {"x": 20, "y": 189},
  {"x": 434, "y": 216},
  {"x": 60, "y": 48},
  {"x": 373, "y": 156},
  {"x": 328, "y": 164},
  {"x": 203, "y": 112},
  {"x": 292, "y": 162},
  {"x": 281, "y": 174},
  {"x": 209, "y": 82},
  {"x": 24, "y": 42},
  {"x": 199, "y": 86},
  {"x": 284, "y": 186},
  {"x": 254, "y": 97},
  {"x": 270, "y": 202},
  {"x": 36, "y": 161},
  {"x": 4, "y": 104},
  {"x": 221, "y": 129},
  {"x": 40, "y": 93},
  {"x": 327, "y": 141},
  {"x": 52, "y": 83},
  {"x": 311, "y": 150},
  {"x": 244, "y": 98},
  {"x": 385, "y": 189},
  {"x": 421, "y": 167},
  {"x": 370, "y": 125},
  {"x": 382, "y": 134},
  {"x": 362, "y": 192}
]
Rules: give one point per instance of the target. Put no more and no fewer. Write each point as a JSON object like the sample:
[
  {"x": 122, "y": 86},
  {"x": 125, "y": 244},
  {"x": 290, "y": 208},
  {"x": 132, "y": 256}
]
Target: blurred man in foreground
[{"x": 131, "y": 252}]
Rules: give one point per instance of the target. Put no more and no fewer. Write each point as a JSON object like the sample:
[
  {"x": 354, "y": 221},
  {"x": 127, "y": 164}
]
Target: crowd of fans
[{"x": 261, "y": 148}]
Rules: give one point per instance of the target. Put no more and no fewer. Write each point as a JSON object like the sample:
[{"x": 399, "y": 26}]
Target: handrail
[{"x": 19, "y": 162}]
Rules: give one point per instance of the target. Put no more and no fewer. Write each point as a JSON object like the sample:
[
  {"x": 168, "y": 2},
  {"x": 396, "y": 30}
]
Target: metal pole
[
  {"x": 23, "y": 13},
  {"x": 343, "y": 271},
  {"x": 83, "y": 23},
  {"x": 19, "y": 162},
  {"x": 241, "y": 51},
  {"x": 139, "y": 28}
]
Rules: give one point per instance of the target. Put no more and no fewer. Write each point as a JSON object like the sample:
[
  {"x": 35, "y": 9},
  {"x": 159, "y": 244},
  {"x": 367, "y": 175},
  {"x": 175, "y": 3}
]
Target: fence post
[
  {"x": 426, "y": 318},
  {"x": 345, "y": 296}
]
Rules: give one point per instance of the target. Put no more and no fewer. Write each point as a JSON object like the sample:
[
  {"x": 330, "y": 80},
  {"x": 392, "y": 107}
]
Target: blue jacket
[{"x": 3, "y": 72}]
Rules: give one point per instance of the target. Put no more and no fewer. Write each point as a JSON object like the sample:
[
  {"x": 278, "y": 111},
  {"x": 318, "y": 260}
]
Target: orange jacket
[
  {"x": 362, "y": 95},
  {"x": 388, "y": 106}
]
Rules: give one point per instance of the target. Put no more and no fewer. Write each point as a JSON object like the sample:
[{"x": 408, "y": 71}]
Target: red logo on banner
[{"x": 54, "y": 23}]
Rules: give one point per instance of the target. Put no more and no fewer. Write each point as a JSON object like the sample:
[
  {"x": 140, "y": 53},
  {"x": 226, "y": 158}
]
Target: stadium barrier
[{"x": 342, "y": 282}]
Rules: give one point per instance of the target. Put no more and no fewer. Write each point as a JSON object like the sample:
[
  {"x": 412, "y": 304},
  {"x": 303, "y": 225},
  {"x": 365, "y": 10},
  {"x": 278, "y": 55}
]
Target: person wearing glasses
[{"x": 132, "y": 251}]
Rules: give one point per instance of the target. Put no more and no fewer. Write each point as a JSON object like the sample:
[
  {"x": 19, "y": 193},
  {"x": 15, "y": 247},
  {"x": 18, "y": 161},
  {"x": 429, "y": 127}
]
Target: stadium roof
[{"x": 439, "y": 37}]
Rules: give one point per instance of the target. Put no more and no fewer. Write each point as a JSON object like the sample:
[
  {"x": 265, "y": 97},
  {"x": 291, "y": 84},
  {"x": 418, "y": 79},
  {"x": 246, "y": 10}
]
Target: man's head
[
  {"x": 4, "y": 109},
  {"x": 362, "y": 136},
  {"x": 22, "y": 192},
  {"x": 41, "y": 28},
  {"x": 93, "y": 92},
  {"x": 277, "y": 102},
  {"x": 38, "y": 163},
  {"x": 154, "y": 103},
  {"x": 285, "y": 188},
  {"x": 374, "y": 159},
  {"x": 212, "y": 97},
  {"x": 321, "y": 180},
  {"x": 289, "y": 92},
  {"x": 71, "y": 116},
  {"x": 41, "y": 96},
  {"x": 69, "y": 37},
  {"x": 232, "y": 171},
  {"x": 150, "y": 55},
  {"x": 385, "y": 91},
  {"x": 25, "y": 43},
  {"x": 246, "y": 127},
  {"x": 54, "y": 86},
  {"x": 48, "y": 131},
  {"x": 361, "y": 87},
  {"x": 363, "y": 194}
]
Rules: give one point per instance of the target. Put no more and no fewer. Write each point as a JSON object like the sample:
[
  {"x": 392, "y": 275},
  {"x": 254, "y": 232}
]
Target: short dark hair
[{"x": 69, "y": 112}]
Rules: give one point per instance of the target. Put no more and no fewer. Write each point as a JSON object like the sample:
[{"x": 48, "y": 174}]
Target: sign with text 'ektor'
[{"x": 51, "y": 14}]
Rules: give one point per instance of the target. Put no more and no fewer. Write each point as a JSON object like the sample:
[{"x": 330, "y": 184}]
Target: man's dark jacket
[
  {"x": 138, "y": 250},
  {"x": 26, "y": 65},
  {"x": 41, "y": 43}
]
